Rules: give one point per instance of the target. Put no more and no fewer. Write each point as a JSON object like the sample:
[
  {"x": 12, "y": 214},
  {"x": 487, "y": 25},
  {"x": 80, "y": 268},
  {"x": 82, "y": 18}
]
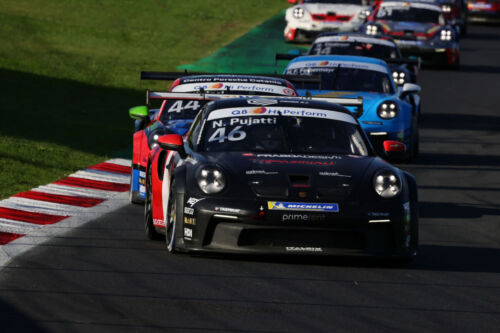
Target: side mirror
[
  {"x": 139, "y": 112},
  {"x": 292, "y": 1},
  {"x": 409, "y": 88},
  {"x": 394, "y": 149},
  {"x": 171, "y": 142}
]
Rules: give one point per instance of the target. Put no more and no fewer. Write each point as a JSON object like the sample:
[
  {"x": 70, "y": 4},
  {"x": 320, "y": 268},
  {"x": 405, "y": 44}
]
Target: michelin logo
[{"x": 303, "y": 206}]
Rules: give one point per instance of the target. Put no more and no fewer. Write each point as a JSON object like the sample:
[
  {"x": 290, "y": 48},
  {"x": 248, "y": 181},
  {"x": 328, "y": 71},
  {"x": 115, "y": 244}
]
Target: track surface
[{"x": 105, "y": 276}]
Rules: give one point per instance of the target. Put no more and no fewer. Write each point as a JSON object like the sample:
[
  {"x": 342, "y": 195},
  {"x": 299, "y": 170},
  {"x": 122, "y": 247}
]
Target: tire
[
  {"x": 170, "y": 224},
  {"x": 149, "y": 228}
]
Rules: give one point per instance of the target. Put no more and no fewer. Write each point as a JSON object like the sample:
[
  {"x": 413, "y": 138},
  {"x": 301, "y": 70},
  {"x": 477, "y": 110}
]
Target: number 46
[{"x": 235, "y": 135}]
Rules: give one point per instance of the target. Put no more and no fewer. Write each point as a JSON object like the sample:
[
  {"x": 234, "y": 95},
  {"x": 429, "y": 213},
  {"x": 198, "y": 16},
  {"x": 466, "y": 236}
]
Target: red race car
[{"x": 484, "y": 10}]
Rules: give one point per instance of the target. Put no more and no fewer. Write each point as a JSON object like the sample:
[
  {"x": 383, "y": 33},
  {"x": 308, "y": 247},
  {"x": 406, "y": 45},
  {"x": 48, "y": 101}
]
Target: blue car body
[{"x": 403, "y": 127}]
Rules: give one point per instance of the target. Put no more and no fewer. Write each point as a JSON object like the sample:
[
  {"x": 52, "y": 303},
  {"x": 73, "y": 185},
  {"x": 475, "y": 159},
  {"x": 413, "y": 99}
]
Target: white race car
[{"x": 311, "y": 17}]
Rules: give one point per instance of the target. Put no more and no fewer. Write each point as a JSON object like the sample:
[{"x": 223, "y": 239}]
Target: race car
[
  {"x": 357, "y": 44},
  {"x": 176, "y": 115},
  {"x": 419, "y": 28},
  {"x": 311, "y": 17},
  {"x": 455, "y": 13},
  {"x": 484, "y": 10},
  {"x": 388, "y": 114},
  {"x": 279, "y": 176}
]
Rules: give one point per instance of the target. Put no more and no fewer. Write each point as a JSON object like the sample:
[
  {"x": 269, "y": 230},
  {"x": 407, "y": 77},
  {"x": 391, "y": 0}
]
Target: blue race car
[{"x": 388, "y": 114}]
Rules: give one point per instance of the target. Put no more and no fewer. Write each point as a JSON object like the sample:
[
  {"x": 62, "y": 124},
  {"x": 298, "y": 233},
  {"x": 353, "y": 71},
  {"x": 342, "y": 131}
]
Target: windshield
[
  {"x": 345, "y": 79},
  {"x": 181, "y": 109},
  {"x": 409, "y": 14},
  {"x": 354, "y": 2},
  {"x": 355, "y": 48},
  {"x": 282, "y": 134}
]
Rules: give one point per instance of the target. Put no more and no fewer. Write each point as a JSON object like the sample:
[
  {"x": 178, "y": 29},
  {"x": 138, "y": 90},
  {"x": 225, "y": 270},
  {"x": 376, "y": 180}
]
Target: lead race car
[
  {"x": 311, "y": 17},
  {"x": 175, "y": 115},
  {"x": 388, "y": 114},
  {"x": 279, "y": 176},
  {"x": 419, "y": 28}
]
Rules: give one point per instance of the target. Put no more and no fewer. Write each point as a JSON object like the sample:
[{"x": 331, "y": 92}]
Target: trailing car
[
  {"x": 279, "y": 176},
  {"x": 357, "y": 44},
  {"x": 175, "y": 115},
  {"x": 455, "y": 13},
  {"x": 419, "y": 28},
  {"x": 311, "y": 17},
  {"x": 388, "y": 114},
  {"x": 484, "y": 10}
]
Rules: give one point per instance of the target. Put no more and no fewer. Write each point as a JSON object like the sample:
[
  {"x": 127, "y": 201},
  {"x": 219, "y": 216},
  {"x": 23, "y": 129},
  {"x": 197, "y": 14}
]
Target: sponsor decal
[
  {"x": 303, "y": 249},
  {"x": 159, "y": 223},
  {"x": 142, "y": 174},
  {"x": 316, "y": 65},
  {"x": 262, "y": 101},
  {"x": 261, "y": 172},
  {"x": 302, "y": 217},
  {"x": 217, "y": 86},
  {"x": 267, "y": 161},
  {"x": 372, "y": 122},
  {"x": 323, "y": 63},
  {"x": 378, "y": 214},
  {"x": 316, "y": 157},
  {"x": 333, "y": 174},
  {"x": 193, "y": 201},
  {"x": 189, "y": 220},
  {"x": 142, "y": 189},
  {"x": 188, "y": 211},
  {"x": 283, "y": 111},
  {"x": 289, "y": 92},
  {"x": 227, "y": 210},
  {"x": 188, "y": 233},
  {"x": 304, "y": 206},
  {"x": 142, "y": 181}
]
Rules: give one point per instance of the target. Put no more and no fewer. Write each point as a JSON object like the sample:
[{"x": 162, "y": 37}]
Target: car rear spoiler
[
  {"x": 286, "y": 56},
  {"x": 171, "y": 76},
  {"x": 356, "y": 103}
]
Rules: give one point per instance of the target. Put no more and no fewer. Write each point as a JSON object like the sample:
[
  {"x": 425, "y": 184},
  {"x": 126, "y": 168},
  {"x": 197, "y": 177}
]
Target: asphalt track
[{"x": 105, "y": 276}]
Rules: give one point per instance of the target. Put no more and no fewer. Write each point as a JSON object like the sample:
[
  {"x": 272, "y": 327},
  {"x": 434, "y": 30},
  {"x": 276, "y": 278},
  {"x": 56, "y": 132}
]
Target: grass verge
[{"x": 69, "y": 70}]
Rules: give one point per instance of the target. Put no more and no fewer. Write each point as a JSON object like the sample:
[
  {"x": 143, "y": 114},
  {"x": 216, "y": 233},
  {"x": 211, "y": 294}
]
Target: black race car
[{"x": 279, "y": 176}]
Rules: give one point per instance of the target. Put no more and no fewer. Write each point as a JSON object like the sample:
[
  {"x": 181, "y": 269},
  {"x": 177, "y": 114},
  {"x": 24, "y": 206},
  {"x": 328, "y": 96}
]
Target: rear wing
[
  {"x": 285, "y": 56},
  {"x": 355, "y": 103},
  {"x": 171, "y": 76}
]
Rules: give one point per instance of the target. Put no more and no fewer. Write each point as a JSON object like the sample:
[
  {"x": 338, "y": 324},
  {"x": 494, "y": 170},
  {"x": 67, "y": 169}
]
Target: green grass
[{"x": 69, "y": 70}]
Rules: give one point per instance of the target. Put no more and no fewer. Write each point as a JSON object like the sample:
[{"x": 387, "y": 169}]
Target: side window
[{"x": 195, "y": 129}]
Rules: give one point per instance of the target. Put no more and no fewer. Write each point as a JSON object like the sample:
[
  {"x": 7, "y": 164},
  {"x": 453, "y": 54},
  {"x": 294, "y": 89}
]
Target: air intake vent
[{"x": 299, "y": 180}]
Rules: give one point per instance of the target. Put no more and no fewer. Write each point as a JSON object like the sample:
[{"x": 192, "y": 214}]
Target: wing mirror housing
[
  {"x": 394, "y": 149},
  {"x": 139, "y": 112},
  {"x": 172, "y": 142},
  {"x": 409, "y": 88}
]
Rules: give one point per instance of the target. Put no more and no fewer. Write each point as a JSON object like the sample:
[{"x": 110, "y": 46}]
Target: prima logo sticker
[{"x": 188, "y": 211}]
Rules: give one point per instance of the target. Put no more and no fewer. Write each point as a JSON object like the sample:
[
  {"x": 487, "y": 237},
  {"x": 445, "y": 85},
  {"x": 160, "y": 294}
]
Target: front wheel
[{"x": 171, "y": 224}]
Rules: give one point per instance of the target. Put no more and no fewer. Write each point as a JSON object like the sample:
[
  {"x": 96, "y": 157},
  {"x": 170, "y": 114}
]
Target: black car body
[{"x": 279, "y": 176}]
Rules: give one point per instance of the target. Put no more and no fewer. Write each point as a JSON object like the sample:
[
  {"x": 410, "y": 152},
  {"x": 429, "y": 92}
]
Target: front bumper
[{"x": 248, "y": 226}]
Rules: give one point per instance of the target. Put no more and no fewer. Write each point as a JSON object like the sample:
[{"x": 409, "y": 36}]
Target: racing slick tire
[
  {"x": 149, "y": 228},
  {"x": 171, "y": 221}
]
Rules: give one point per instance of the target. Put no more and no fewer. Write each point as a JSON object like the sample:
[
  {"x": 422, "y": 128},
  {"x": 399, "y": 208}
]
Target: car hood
[
  {"x": 416, "y": 27},
  {"x": 292, "y": 176}
]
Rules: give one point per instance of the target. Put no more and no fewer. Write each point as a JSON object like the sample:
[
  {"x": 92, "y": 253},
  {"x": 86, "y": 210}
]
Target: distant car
[
  {"x": 279, "y": 176},
  {"x": 403, "y": 70},
  {"x": 388, "y": 114},
  {"x": 311, "y": 17},
  {"x": 484, "y": 10},
  {"x": 419, "y": 28},
  {"x": 176, "y": 115}
]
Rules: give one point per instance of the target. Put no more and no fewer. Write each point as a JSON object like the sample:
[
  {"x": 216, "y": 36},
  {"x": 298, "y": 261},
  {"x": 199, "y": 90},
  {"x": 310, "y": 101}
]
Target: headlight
[
  {"x": 387, "y": 110},
  {"x": 210, "y": 179},
  {"x": 446, "y": 8},
  {"x": 445, "y": 34},
  {"x": 386, "y": 183},
  {"x": 399, "y": 78},
  {"x": 371, "y": 29},
  {"x": 298, "y": 12}
]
